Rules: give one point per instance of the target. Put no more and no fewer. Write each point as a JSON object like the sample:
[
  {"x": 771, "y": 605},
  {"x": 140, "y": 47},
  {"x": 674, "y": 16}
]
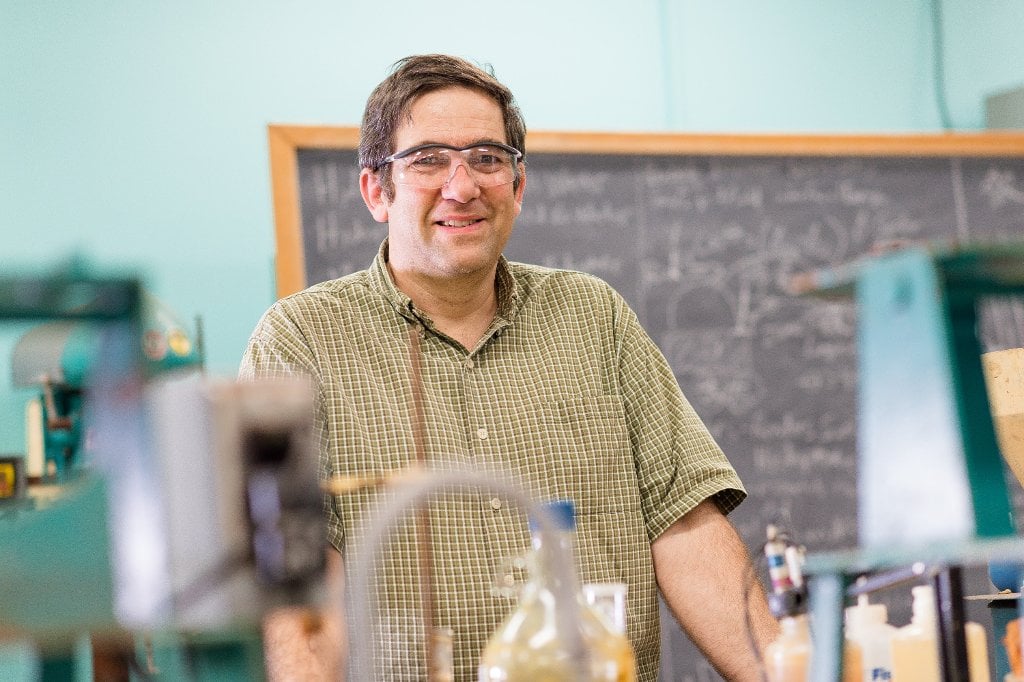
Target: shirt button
[
  {"x": 481, "y": 433},
  {"x": 495, "y": 503},
  {"x": 469, "y": 363}
]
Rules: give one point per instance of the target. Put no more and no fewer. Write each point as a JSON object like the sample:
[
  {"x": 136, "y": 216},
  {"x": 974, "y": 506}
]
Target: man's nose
[{"x": 460, "y": 187}]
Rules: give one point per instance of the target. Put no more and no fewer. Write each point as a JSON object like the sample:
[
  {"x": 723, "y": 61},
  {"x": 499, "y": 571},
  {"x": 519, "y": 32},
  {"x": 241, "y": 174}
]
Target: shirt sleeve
[
  {"x": 279, "y": 348},
  {"x": 678, "y": 462}
]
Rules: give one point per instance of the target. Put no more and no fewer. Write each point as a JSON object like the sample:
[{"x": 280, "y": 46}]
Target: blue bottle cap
[{"x": 563, "y": 513}]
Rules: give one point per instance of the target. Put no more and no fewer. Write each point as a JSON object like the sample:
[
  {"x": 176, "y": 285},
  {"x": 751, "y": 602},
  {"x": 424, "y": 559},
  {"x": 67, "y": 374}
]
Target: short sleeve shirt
[{"x": 565, "y": 395}]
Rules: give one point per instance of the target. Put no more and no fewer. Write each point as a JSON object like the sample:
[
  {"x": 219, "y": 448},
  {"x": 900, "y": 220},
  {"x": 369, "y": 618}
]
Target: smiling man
[
  {"x": 461, "y": 189},
  {"x": 543, "y": 375}
]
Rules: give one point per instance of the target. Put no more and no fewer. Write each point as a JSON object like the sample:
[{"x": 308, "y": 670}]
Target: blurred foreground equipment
[
  {"x": 931, "y": 484},
  {"x": 166, "y": 513}
]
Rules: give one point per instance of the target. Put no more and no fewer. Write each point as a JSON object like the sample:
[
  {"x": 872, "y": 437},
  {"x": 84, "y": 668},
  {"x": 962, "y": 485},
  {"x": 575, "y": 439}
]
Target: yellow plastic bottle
[
  {"x": 787, "y": 659},
  {"x": 532, "y": 645},
  {"x": 915, "y": 647}
]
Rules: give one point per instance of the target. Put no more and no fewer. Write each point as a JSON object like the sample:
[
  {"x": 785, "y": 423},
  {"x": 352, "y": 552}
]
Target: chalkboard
[{"x": 701, "y": 234}]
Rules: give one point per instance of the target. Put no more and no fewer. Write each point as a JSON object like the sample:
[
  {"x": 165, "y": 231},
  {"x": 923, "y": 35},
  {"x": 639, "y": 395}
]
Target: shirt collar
[{"x": 380, "y": 281}]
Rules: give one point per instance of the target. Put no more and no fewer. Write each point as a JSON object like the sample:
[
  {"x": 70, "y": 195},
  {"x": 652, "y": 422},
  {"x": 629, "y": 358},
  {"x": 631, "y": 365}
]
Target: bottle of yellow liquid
[
  {"x": 915, "y": 647},
  {"x": 788, "y": 658},
  {"x": 535, "y": 643}
]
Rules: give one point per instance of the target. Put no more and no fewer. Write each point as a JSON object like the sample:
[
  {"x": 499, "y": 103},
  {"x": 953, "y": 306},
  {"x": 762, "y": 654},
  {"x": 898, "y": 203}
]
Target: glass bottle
[{"x": 551, "y": 638}]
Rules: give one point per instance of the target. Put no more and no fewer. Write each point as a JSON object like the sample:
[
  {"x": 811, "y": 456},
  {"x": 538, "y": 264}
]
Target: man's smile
[{"x": 459, "y": 223}]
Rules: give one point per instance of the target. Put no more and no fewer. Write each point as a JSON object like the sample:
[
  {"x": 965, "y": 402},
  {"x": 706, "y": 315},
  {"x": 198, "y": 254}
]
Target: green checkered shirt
[{"x": 565, "y": 394}]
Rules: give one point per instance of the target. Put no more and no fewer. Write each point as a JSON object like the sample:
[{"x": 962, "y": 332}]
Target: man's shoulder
[
  {"x": 539, "y": 280},
  {"x": 346, "y": 290},
  {"x": 536, "y": 276}
]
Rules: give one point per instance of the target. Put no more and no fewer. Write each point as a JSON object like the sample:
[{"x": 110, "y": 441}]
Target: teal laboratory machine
[
  {"x": 56, "y": 357},
  {"x": 932, "y": 490},
  {"x": 162, "y": 513}
]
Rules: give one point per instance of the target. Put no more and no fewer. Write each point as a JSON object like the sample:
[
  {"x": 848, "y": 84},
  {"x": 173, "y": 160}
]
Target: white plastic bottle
[
  {"x": 915, "y": 647},
  {"x": 867, "y": 625}
]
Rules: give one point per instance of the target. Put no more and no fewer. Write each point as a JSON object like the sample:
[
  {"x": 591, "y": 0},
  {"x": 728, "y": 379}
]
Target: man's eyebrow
[{"x": 474, "y": 143}]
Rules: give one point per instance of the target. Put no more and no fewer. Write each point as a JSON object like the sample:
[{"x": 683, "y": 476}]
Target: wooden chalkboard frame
[{"x": 286, "y": 140}]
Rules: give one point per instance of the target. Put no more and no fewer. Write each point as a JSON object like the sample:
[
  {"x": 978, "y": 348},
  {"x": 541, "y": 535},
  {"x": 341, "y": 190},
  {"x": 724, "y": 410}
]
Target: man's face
[{"x": 461, "y": 228}]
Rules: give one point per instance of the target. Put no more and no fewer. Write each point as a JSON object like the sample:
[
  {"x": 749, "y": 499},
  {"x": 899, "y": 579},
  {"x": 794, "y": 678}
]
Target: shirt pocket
[{"x": 588, "y": 454}]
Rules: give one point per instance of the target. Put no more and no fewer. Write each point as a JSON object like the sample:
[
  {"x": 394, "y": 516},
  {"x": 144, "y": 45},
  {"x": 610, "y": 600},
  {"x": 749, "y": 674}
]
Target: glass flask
[{"x": 549, "y": 637}]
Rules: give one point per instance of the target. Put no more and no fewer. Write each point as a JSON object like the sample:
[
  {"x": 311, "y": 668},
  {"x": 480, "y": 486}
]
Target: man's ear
[
  {"x": 373, "y": 195},
  {"x": 521, "y": 188}
]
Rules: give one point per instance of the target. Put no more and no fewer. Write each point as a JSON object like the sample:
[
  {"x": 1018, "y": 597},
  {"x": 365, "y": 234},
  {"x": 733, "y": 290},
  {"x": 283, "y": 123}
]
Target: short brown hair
[{"x": 418, "y": 75}]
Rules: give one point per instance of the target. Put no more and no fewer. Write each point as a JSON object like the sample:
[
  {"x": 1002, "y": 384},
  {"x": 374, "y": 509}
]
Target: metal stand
[{"x": 949, "y": 597}]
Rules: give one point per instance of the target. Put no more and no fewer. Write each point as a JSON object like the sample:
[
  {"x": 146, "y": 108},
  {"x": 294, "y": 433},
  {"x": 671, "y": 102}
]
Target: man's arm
[
  {"x": 309, "y": 643},
  {"x": 703, "y": 571}
]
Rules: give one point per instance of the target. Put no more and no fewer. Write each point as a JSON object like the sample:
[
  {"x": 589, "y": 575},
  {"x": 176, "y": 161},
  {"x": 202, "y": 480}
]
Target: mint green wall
[{"x": 134, "y": 132}]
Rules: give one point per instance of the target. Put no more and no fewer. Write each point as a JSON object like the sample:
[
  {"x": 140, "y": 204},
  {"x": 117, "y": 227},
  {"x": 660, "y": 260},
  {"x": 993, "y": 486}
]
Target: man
[{"x": 543, "y": 375}]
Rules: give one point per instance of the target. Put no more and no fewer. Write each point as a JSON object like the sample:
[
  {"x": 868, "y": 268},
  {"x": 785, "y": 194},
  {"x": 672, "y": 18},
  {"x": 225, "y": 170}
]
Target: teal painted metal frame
[{"x": 961, "y": 276}]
